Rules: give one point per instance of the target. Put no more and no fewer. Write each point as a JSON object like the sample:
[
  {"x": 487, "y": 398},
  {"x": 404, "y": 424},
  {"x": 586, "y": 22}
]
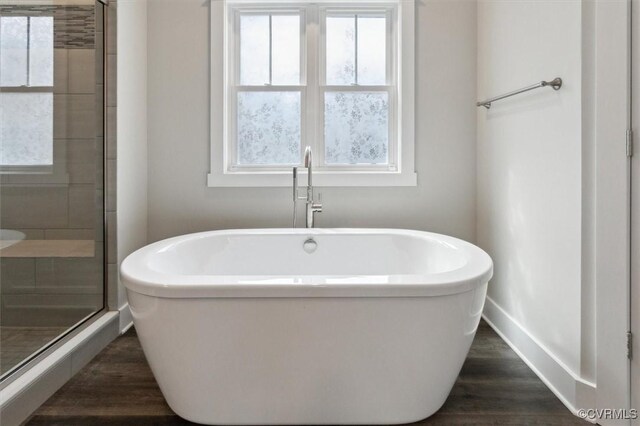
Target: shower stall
[{"x": 52, "y": 174}]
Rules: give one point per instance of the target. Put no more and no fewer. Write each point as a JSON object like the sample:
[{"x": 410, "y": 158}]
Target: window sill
[{"x": 320, "y": 179}]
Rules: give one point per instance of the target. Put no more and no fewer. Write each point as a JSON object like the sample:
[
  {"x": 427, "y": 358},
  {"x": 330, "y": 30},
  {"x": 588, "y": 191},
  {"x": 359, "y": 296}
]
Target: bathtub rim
[{"x": 137, "y": 276}]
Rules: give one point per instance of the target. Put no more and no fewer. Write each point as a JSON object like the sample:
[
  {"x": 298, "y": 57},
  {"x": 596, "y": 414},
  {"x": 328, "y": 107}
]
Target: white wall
[
  {"x": 178, "y": 107},
  {"x": 588, "y": 270},
  {"x": 533, "y": 217},
  {"x": 131, "y": 133}
]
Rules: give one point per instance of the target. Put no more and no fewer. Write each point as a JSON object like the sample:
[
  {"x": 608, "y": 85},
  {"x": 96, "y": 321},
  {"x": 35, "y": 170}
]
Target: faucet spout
[
  {"x": 308, "y": 163},
  {"x": 312, "y": 206},
  {"x": 308, "y": 157}
]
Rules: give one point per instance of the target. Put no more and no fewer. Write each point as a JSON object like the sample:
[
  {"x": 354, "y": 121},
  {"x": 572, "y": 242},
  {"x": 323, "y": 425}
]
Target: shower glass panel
[{"x": 51, "y": 173}]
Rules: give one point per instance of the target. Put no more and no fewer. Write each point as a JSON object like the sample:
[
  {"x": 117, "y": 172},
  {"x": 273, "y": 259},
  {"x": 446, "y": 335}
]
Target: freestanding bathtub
[{"x": 306, "y": 326}]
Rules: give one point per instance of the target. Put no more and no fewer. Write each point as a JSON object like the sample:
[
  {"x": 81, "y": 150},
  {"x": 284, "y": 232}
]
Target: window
[
  {"x": 358, "y": 88},
  {"x": 26, "y": 94},
  {"x": 337, "y": 78},
  {"x": 268, "y": 89}
]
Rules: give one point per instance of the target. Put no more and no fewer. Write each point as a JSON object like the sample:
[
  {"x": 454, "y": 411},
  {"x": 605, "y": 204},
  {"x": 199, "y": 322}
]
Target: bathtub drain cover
[{"x": 310, "y": 245}]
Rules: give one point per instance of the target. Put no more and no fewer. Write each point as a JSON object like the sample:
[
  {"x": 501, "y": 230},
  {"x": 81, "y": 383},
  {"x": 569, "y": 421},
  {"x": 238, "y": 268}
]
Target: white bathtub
[{"x": 246, "y": 327}]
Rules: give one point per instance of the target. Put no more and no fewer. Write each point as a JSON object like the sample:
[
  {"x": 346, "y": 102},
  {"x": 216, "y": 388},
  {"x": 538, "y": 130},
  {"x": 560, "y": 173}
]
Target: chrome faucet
[{"x": 312, "y": 206}]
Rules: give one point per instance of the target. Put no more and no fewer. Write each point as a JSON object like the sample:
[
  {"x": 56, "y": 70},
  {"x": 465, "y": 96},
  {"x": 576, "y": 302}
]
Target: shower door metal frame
[{"x": 24, "y": 366}]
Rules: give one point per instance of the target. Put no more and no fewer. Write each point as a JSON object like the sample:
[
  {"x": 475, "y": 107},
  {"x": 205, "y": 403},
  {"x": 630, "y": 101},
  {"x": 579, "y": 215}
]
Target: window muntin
[{"x": 26, "y": 93}]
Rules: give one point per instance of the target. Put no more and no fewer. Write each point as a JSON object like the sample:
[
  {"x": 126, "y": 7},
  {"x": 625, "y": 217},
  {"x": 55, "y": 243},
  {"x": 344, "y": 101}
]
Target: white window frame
[{"x": 401, "y": 86}]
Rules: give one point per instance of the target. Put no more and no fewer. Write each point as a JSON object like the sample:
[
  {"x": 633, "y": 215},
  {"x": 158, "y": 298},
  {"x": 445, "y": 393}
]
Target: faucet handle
[{"x": 317, "y": 207}]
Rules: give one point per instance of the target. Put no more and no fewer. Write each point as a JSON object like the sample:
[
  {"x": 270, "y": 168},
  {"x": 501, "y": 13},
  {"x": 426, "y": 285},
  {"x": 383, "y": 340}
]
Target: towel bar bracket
[{"x": 556, "y": 83}]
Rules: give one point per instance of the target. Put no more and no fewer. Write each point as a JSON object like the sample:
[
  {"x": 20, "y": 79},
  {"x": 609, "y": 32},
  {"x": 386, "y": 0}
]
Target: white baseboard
[
  {"x": 574, "y": 392},
  {"x": 126, "y": 319}
]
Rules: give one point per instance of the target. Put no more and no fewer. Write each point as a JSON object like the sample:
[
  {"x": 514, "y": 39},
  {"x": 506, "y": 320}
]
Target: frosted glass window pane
[
  {"x": 268, "y": 128},
  {"x": 26, "y": 129},
  {"x": 356, "y": 127},
  {"x": 41, "y": 52},
  {"x": 13, "y": 51},
  {"x": 285, "y": 49},
  {"x": 372, "y": 42},
  {"x": 340, "y": 50},
  {"x": 254, "y": 49}
]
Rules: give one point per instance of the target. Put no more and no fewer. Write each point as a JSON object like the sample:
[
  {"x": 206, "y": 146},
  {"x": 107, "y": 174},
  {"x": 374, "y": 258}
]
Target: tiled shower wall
[
  {"x": 68, "y": 204},
  {"x": 74, "y": 25}
]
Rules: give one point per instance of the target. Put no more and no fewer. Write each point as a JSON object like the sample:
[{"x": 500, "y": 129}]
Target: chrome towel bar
[{"x": 556, "y": 84}]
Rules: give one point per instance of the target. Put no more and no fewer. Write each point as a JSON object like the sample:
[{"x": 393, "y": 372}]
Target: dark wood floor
[{"x": 117, "y": 388}]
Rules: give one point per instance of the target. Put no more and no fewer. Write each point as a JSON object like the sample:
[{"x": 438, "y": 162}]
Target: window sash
[
  {"x": 312, "y": 79},
  {"x": 392, "y": 149},
  {"x": 42, "y": 168},
  {"x": 28, "y": 88},
  {"x": 389, "y": 12},
  {"x": 29, "y": 52},
  {"x": 238, "y": 12},
  {"x": 231, "y": 149}
]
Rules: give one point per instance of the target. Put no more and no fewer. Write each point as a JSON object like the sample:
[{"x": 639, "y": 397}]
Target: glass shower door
[{"x": 51, "y": 173}]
